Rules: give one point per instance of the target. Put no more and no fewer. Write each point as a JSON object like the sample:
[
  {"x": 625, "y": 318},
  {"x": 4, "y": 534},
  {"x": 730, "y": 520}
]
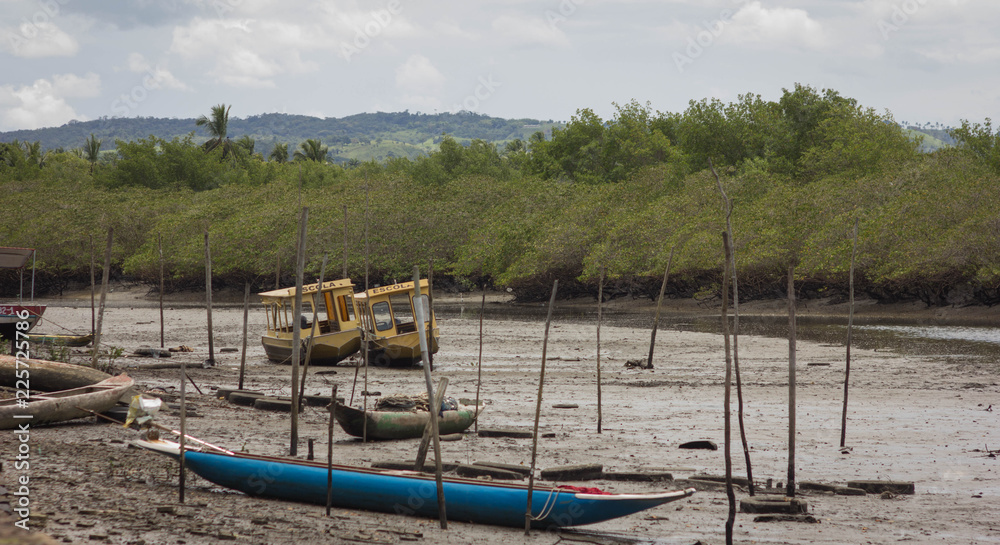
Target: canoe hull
[
  {"x": 49, "y": 376},
  {"x": 64, "y": 405},
  {"x": 73, "y": 341},
  {"x": 400, "y": 424},
  {"x": 466, "y": 500}
]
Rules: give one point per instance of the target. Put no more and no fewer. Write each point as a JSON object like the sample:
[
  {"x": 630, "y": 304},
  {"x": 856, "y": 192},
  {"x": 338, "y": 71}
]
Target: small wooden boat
[
  {"x": 12, "y": 314},
  {"x": 401, "y": 424},
  {"x": 73, "y": 341},
  {"x": 336, "y": 333},
  {"x": 407, "y": 492},
  {"x": 63, "y": 405},
  {"x": 47, "y": 375},
  {"x": 388, "y": 319}
]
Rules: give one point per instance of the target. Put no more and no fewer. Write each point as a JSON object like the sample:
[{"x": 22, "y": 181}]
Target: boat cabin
[
  {"x": 335, "y": 333},
  {"x": 393, "y": 325}
]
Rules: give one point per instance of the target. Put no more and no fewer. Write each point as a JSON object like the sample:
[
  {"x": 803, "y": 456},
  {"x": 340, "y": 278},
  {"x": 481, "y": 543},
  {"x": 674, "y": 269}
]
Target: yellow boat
[
  {"x": 387, "y": 315},
  {"x": 336, "y": 331}
]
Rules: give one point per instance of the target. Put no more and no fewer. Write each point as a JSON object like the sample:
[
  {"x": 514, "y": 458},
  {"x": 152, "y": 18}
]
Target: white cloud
[
  {"x": 34, "y": 40},
  {"x": 537, "y": 30},
  {"x": 157, "y": 77},
  {"x": 755, "y": 24},
  {"x": 43, "y": 103},
  {"x": 418, "y": 75}
]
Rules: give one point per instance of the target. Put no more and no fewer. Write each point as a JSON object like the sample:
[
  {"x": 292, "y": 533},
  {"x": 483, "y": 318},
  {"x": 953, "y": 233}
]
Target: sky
[{"x": 935, "y": 61}]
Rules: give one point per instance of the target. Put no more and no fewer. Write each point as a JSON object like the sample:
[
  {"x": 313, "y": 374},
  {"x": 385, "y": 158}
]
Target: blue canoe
[{"x": 409, "y": 493}]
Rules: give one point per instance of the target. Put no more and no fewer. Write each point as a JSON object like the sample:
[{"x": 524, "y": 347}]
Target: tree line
[{"x": 598, "y": 194}]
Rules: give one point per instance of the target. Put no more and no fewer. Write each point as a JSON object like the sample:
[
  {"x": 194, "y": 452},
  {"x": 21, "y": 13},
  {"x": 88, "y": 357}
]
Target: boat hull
[
  {"x": 466, "y": 500},
  {"x": 73, "y": 341},
  {"x": 47, "y": 375},
  {"x": 400, "y": 424},
  {"x": 9, "y": 319},
  {"x": 64, "y": 405},
  {"x": 400, "y": 350},
  {"x": 328, "y": 349}
]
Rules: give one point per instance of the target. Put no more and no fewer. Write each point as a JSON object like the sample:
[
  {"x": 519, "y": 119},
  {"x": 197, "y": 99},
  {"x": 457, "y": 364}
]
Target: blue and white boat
[{"x": 408, "y": 492}]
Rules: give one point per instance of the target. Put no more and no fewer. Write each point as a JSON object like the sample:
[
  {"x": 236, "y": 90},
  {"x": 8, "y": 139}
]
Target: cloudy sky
[{"x": 923, "y": 60}]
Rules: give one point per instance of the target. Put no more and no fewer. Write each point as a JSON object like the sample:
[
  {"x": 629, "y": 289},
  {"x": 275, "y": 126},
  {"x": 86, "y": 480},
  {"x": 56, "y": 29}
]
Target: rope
[{"x": 548, "y": 506}]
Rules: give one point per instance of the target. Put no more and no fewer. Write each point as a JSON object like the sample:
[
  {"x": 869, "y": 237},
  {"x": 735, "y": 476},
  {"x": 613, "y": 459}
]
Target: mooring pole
[{"x": 538, "y": 410}]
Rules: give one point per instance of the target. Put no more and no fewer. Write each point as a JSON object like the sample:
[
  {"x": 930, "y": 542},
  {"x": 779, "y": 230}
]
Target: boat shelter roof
[
  {"x": 285, "y": 293},
  {"x": 393, "y": 288},
  {"x": 15, "y": 258}
]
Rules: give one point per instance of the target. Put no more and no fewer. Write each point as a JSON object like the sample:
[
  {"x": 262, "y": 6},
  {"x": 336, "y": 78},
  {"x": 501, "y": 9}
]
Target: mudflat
[{"x": 919, "y": 419}]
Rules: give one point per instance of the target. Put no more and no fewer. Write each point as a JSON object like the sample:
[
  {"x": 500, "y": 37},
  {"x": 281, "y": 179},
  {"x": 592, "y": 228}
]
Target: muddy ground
[{"x": 921, "y": 419}]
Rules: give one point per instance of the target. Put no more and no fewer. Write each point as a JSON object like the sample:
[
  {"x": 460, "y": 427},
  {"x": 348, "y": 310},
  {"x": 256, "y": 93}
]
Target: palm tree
[
  {"x": 247, "y": 144},
  {"x": 217, "y": 127},
  {"x": 92, "y": 149},
  {"x": 279, "y": 154},
  {"x": 311, "y": 150}
]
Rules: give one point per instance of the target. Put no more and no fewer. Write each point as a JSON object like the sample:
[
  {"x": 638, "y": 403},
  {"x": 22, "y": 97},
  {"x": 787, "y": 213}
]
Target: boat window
[
  {"x": 383, "y": 315},
  {"x": 346, "y": 305}
]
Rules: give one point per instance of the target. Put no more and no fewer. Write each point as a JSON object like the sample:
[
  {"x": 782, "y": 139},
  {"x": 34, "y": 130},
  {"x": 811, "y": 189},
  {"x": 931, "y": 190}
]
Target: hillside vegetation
[{"x": 614, "y": 195}]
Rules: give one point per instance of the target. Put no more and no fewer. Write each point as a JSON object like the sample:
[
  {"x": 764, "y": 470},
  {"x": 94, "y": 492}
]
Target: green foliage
[
  {"x": 980, "y": 141},
  {"x": 311, "y": 150}
]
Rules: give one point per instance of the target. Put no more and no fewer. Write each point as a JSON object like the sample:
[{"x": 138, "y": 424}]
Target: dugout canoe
[
  {"x": 64, "y": 405},
  {"x": 48, "y": 376},
  {"x": 407, "y": 492},
  {"x": 401, "y": 424}
]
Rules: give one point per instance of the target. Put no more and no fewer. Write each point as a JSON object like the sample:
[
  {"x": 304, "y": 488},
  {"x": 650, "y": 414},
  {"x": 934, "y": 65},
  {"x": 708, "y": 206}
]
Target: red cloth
[{"x": 583, "y": 489}]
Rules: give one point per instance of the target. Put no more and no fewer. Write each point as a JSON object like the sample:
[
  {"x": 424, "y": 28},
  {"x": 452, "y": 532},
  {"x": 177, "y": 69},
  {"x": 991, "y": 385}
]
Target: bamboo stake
[
  {"x": 850, "y": 326},
  {"x": 659, "y": 303},
  {"x": 479, "y": 378},
  {"x": 345, "y": 241},
  {"x": 791, "y": 381},
  {"x": 246, "y": 313},
  {"x": 538, "y": 410},
  {"x": 727, "y": 418},
  {"x": 105, "y": 276},
  {"x": 208, "y": 302},
  {"x": 180, "y": 488},
  {"x": 429, "y": 330},
  {"x": 424, "y": 352},
  {"x": 312, "y": 330},
  {"x": 329, "y": 451},
  {"x": 300, "y": 260},
  {"x": 600, "y": 307},
  {"x": 371, "y": 330},
  {"x": 159, "y": 246}
]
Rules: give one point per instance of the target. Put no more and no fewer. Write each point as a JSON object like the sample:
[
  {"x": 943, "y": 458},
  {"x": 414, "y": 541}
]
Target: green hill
[{"x": 362, "y": 136}]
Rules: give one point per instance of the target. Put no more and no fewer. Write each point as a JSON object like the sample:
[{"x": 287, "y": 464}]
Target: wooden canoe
[
  {"x": 47, "y": 375},
  {"x": 74, "y": 341},
  {"x": 401, "y": 424},
  {"x": 410, "y": 493},
  {"x": 63, "y": 405}
]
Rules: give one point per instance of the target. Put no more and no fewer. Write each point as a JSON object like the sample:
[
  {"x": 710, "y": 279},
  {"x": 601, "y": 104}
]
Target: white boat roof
[{"x": 284, "y": 293}]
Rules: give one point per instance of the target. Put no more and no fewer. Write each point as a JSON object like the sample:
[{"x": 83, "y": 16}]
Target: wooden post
[
  {"x": 538, "y": 410},
  {"x": 727, "y": 209},
  {"x": 329, "y": 451},
  {"x": 93, "y": 288},
  {"x": 208, "y": 302},
  {"x": 430, "y": 398},
  {"x": 318, "y": 299},
  {"x": 418, "y": 464},
  {"x": 105, "y": 276},
  {"x": 600, "y": 307},
  {"x": 850, "y": 326},
  {"x": 277, "y": 270},
  {"x": 345, "y": 242},
  {"x": 429, "y": 330},
  {"x": 479, "y": 378},
  {"x": 300, "y": 260},
  {"x": 727, "y": 417},
  {"x": 246, "y": 315},
  {"x": 659, "y": 303},
  {"x": 159, "y": 246},
  {"x": 791, "y": 381},
  {"x": 180, "y": 489}
]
